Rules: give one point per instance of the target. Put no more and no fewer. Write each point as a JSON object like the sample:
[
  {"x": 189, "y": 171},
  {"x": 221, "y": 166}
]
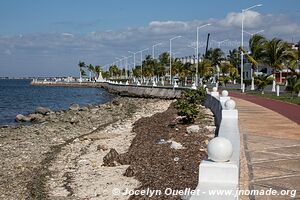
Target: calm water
[{"x": 19, "y": 97}]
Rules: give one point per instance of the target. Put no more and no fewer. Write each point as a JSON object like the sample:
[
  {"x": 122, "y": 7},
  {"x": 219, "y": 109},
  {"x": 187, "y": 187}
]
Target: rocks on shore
[
  {"x": 193, "y": 129},
  {"x": 74, "y": 107},
  {"x": 42, "y": 110},
  {"x": 22, "y": 118}
]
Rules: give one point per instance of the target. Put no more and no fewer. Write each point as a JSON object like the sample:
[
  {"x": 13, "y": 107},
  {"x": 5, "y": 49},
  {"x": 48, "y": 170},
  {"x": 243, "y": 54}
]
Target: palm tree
[
  {"x": 276, "y": 52},
  {"x": 113, "y": 71},
  {"x": 97, "y": 71},
  {"x": 215, "y": 56},
  {"x": 90, "y": 67},
  {"x": 262, "y": 81},
  {"x": 81, "y": 70},
  {"x": 205, "y": 68},
  {"x": 234, "y": 57},
  {"x": 257, "y": 46}
]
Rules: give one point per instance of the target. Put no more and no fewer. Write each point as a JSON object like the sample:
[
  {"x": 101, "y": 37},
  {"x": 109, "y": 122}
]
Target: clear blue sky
[{"x": 34, "y": 20}]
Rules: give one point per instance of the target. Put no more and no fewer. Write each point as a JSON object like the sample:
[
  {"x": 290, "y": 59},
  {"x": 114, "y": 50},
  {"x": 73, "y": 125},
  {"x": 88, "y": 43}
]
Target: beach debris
[
  {"x": 102, "y": 147},
  {"x": 111, "y": 159},
  {"x": 84, "y": 108},
  {"x": 22, "y": 118},
  {"x": 35, "y": 117},
  {"x": 42, "y": 110},
  {"x": 74, "y": 120},
  {"x": 130, "y": 171},
  {"x": 193, "y": 129},
  {"x": 176, "y": 159},
  {"x": 210, "y": 128},
  {"x": 161, "y": 141},
  {"x": 74, "y": 107},
  {"x": 176, "y": 145}
]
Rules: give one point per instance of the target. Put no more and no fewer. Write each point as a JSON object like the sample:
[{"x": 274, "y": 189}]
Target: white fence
[{"x": 219, "y": 174}]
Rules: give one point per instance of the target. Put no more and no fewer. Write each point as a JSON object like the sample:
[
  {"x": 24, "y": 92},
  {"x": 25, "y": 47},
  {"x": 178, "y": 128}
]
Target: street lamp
[
  {"x": 242, "y": 44},
  {"x": 133, "y": 53},
  {"x": 126, "y": 65},
  {"x": 254, "y": 33},
  {"x": 141, "y": 51},
  {"x": 173, "y": 38},
  {"x": 197, "y": 52},
  {"x": 220, "y": 42},
  {"x": 153, "y": 53}
]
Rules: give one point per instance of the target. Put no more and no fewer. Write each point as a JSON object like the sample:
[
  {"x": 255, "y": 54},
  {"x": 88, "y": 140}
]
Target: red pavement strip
[{"x": 291, "y": 111}]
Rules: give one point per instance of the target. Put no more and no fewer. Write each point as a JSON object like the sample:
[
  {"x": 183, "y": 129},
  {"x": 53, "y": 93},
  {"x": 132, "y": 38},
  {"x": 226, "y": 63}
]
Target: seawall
[{"x": 145, "y": 91}]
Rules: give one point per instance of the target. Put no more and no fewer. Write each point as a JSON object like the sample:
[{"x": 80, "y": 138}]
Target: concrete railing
[{"x": 219, "y": 174}]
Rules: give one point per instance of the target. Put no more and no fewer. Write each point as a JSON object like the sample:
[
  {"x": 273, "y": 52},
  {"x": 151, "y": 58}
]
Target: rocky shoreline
[{"x": 61, "y": 156}]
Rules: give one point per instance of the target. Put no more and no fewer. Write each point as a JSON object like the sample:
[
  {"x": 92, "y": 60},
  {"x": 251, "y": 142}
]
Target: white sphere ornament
[
  {"x": 224, "y": 93},
  {"x": 219, "y": 149},
  {"x": 215, "y": 89},
  {"x": 230, "y": 104}
]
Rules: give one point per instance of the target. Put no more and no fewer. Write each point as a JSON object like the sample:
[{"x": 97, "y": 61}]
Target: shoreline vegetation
[{"x": 85, "y": 152}]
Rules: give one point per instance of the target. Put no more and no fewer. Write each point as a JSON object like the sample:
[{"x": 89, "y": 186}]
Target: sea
[{"x": 17, "y": 96}]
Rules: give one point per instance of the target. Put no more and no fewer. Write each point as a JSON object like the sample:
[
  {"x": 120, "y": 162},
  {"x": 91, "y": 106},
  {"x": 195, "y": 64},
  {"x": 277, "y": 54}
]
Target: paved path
[
  {"x": 271, "y": 144},
  {"x": 291, "y": 111}
]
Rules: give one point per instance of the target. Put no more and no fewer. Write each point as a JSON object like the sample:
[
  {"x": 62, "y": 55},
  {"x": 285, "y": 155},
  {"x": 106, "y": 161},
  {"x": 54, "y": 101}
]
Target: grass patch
[{"x": 285, "y": 97}]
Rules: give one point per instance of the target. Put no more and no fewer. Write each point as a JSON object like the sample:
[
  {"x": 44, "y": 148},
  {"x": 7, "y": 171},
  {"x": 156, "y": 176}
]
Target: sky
[{"x": 50, "y": 37}]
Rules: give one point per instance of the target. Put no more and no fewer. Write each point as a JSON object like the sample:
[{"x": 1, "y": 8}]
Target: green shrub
[{"x": 187, "y": 105}]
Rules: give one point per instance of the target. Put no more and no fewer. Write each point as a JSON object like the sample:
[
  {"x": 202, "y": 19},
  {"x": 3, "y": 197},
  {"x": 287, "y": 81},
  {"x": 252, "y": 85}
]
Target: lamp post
[
  {"x": 153, "y": 46},
  {"x": 141, "y": 51},
  {"x": 220, "y": 42},
  {"x": 242, "y": 44},
  {"x": 126, "y": 65},
  {"x": 133, "y": 53},
  {"x": 197, "y": 52},
  {"x": 254, "y": 33},
  {"x": 173, "y": 38}
]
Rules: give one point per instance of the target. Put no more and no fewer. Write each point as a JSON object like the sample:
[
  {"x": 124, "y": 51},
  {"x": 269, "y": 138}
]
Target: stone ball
[
  {"x": 224, "y": 93},
  {"x": 230, "y": 104},
  {"x": 219, "y": 149},
  {"x": 215, "y": 89}
]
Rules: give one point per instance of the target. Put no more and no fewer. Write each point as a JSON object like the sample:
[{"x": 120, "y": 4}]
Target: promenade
[{"x": 270, "y": 134}]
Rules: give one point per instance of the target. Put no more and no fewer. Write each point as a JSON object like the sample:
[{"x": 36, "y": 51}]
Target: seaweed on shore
[{"x": 155, "y": 164}]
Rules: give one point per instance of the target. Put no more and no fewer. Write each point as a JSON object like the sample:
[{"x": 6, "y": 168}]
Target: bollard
[
  {"x": 277, "y": 90},
  {"x": 223, "y": 98},
  {"x": 252, "y": 84},
  {"x": 219, "y": 149},
  {"x": 215, "y": 92},
  {"x": 243, "y": 88}
]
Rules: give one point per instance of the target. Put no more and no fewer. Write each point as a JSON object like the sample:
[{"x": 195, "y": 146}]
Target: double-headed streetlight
[
  {"x": 257, "y": 32},
  {"x": 197, "y": 52},
  {"x": 153, "y": 46},
  {"x": 220, "y": 42},
  {"x": 173, "y": 38},
  {"x": 141, "y": 51},
  {"x": 126, "y": 65},
  {"x": 133, "y": 53},
  {"x": 242, "y": 43}
]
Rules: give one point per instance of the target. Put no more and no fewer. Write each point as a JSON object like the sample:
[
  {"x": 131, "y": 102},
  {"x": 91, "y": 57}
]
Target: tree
[
  {"x": 81, "y": 68},
  {"x": 234, "y": 57},
  {"x": 276, "y": 52},
  {"x": 164, "y": 59},
  {"x": 262, "y": 81},
  {"x": 205, "y": 68},
  {"x": 114, "y": 71},
  {"x": 91, "y": 69},
  {"x": 215, "y": 56},
  {"x": 257, "y": 46},
  {"x": 97, "y": 70}
]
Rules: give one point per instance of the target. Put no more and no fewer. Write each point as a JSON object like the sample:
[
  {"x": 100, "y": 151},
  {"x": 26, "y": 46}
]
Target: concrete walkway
[{"x": 270, "y": 156}]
